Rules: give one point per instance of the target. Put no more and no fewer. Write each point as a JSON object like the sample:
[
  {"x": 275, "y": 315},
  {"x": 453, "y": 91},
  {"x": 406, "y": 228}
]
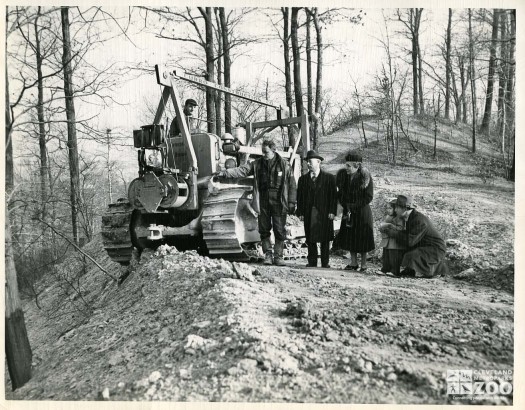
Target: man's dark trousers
[{"x": 312, "y": 253}]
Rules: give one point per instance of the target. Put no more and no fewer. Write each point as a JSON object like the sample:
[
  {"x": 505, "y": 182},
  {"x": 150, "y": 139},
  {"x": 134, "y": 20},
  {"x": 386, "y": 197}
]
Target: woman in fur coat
[{"x": 355, "y": 192}]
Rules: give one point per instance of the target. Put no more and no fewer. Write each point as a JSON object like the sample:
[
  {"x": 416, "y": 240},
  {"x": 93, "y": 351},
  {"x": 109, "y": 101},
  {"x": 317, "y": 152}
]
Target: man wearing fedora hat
[
  {"x": 317, "y": 206},
  {"x": 425, "y": 256}
]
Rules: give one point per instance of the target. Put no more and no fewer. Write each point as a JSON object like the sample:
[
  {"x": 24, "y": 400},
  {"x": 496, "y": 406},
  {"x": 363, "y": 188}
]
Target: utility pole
[{"x": 108, "y": 131}]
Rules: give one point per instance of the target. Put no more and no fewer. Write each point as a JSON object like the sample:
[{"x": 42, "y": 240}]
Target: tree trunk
[
  {"x": 319, "y": 77},
  {"x": 41, "y": 119},
  {"x": 448, "y": 64},
  {"x": 266, "y": 96},
  {"x": 17, "y": 347},
  {"x": 210, "y": 68},
  {"x": 509, "y": 93},
  {"x": 417, "y": 24},
  {"x": 485, "y": 123},
  {"x": 286, "y": 47},
  {"x": 71, "y": 125},
  {"x": 457, "y": 98},
  {"x": 415, "y": 95},
  {"x": 296, "y": 62},
  {"x": 463, "y": 76},
  {"x": 227, "y": 71},
  {"x": 502, "y": 75},
  {"x": 309, "y": 63},
  {"x": 420, "y": 81},
  {"x": 510, "y": 100},
  {"x": 218, "y": 96},
  {"x": 472, "y": 78},
  {"x": 360, "y": 115}
]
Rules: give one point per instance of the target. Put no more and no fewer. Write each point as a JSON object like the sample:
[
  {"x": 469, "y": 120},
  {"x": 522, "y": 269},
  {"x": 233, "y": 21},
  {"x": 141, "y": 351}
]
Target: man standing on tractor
[
  {"x": 189, "y": 106},
  {"x": 274, "y": 197}
]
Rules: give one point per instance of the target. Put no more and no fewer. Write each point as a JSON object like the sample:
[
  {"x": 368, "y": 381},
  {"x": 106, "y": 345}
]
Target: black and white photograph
[{"x": 262, "y": 203}]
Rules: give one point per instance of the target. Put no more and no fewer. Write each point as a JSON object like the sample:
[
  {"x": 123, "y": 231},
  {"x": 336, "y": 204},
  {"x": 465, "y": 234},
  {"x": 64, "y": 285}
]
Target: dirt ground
[{"x": 183, "y": 327}]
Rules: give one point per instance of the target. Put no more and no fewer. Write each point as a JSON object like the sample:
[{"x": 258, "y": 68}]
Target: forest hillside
[{"x": 182, "y": 327}]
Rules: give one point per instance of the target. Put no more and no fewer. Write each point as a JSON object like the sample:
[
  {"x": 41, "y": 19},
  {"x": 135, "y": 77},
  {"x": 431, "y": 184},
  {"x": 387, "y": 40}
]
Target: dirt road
[{"x": 187, "y": 328}]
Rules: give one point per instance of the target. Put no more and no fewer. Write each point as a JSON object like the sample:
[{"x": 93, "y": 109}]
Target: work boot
[
  {"x": 268, "y": 259},
  {"x": 266, "y": 245},
  {"x": 278, "y": 250}
]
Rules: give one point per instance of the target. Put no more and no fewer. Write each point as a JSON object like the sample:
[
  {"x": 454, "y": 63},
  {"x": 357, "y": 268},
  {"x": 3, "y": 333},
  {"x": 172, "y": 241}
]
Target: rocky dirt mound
[{"x": 183, "y": 327}]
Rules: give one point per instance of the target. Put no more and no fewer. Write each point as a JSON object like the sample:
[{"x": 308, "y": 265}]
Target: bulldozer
[{"x": 176, "y": 198}]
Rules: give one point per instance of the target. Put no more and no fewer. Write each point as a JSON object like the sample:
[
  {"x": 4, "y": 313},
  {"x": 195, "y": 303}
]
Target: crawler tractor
[{"x": 177, "y": 200}]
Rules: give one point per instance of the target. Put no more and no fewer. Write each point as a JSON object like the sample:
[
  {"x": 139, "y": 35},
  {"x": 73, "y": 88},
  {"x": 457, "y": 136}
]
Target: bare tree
[
  {"x": 206, "y": 13},
  {"x": 472, "y": 78},
  {"x": 18, "y": 350},
  {"x": 411, "y": 19},
  {"x": 448, "y": 64},
  {"x": 309, "y": 92},
  {"x": 359, "y": 105},
  {"x": 485, "y": 123},
  {"x": 298, "y": 91},
  {"x": 227, "y": 70},
  {"x": 76, "y": 201}
]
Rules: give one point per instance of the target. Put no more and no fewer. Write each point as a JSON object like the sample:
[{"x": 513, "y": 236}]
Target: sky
[{"x": 354, "y": 54}]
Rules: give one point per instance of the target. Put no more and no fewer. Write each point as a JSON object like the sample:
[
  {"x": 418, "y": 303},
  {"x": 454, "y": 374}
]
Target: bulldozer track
[
  {"x": 230, "y": 230},
  {"x": 116, "y": 234},
  {"x": 222, "y": 218}
]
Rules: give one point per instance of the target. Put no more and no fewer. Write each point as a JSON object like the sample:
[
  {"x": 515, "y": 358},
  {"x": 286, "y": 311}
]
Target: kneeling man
[
  {"x": 317, "y": 205},
  {"x": 425, "y": 256}
]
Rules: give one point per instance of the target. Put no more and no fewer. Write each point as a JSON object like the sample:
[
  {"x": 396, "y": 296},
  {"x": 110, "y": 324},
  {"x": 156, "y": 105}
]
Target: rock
[
  {"x": 449, "y": 350},
  {"x": 142, "y": 383},
  {"x": 248, "y": 365},
  {"x": 243, "y": 271},
  {"x": 368, "y": 367},
  {"x": 105, "y": 394},
  {"x": 332, "y": 336},
  {"x": 226, "y": 269},
  {"x": 360, "y": 364},
  {"x": 202, "y": 325},
  {"x": 392, "y": 377},
  {"x": 354, "y": 331},
  {"x": 184, "y": 374},
  {"x": 167, "y": 351},
  {"x": 297, "y": 309},
  {"x": 233, "y": 371},
  {"x": 154, "y": 377},
  {"x": 267, "y": 365},
  {"x": 195, "y": 342},
  {"x": 150, "y": 392}
]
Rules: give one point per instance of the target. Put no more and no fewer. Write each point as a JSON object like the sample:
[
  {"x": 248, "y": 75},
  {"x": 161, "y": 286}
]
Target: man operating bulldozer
[
  {"x": 189, "y": 106},
  {"x": 274, "y": 193}
]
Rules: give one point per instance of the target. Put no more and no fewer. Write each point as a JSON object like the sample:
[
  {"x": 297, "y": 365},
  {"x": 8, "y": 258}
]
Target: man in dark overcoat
[
  {"x": 317, "y": 205},
  {"x": 425, "y": 256}
]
